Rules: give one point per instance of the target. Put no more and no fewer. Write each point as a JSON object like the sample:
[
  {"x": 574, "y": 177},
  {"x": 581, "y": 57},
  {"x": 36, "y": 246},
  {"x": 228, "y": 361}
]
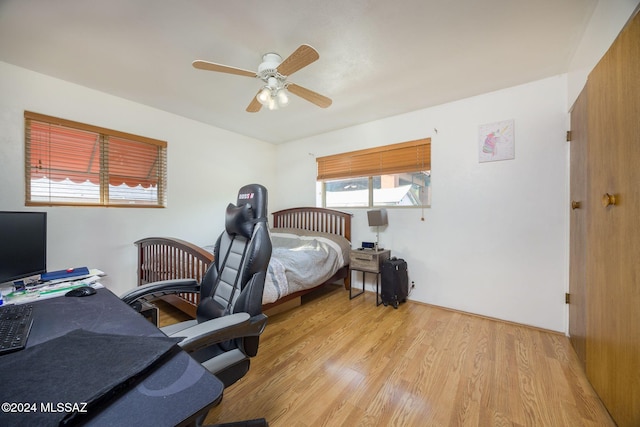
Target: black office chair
[{"x": 225, "y": 334}]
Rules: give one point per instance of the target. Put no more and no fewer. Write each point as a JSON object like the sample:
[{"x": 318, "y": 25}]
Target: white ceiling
[{"x": 377, "y": 58}]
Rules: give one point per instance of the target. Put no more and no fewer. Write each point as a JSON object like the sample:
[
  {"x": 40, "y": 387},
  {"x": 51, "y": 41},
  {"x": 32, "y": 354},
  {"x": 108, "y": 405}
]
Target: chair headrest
[
  {"x": 239, "y": 220},
  {"x": 251, "y": 208},
  {"x": 254, "y": 195}
]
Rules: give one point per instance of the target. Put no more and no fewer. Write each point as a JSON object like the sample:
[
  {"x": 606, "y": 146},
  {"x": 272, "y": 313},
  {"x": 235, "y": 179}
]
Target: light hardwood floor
[{"x": 335, "y": 361}]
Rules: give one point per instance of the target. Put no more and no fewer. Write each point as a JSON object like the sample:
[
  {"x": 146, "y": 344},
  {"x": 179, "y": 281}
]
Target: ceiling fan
[{"x": 273, "y": 71}]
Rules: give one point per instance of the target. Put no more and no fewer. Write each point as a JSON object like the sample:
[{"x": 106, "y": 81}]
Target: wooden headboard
[{"x": 314, "y": 219}]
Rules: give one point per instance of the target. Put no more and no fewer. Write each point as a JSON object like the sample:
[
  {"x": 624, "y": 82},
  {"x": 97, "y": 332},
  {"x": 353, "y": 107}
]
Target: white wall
[
  {"x": 206, "y": 167},
  {"x": 495, "y": 241}
]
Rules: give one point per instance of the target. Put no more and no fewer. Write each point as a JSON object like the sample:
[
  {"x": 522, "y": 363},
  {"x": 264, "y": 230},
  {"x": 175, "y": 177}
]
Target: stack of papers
[{"x": 52, "y": 288}]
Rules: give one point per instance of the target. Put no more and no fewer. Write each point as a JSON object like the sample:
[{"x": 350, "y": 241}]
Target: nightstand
[{"x": 367, "y": 261}]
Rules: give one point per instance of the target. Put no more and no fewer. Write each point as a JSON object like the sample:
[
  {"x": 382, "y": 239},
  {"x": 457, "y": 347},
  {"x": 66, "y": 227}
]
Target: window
[
  {"x": 70, "y": 163},
  {"x": 392, "y": 175}
]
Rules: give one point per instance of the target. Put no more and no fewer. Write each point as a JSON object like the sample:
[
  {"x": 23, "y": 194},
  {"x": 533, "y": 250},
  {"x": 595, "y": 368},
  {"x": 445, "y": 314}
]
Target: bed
[{"x": 321, "y": 232}]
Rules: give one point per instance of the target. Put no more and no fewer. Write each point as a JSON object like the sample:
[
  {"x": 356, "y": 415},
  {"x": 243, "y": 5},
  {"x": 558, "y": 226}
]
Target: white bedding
[{"x": 301, "y": 260}]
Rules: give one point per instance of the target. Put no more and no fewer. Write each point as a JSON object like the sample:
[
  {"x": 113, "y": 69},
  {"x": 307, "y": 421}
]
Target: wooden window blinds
[
  {"x": 70, "y": 163},
  {"x": 408, "y": 156}
]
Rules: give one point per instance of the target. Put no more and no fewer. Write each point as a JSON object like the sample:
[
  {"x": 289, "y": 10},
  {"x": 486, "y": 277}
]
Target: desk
[{"x": 176, "y": 392}]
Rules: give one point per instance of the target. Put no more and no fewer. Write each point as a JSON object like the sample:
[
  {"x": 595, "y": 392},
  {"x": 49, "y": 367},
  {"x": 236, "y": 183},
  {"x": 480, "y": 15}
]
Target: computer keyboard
[{"x": 15, "y": 326}]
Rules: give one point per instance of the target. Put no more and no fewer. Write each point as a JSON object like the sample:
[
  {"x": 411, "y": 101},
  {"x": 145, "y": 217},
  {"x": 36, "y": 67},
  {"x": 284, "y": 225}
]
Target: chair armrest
[
  {"x": 174, "y": 328},
  {"x": 221, "y": 329},
  {"x": 158, "y": 289}
]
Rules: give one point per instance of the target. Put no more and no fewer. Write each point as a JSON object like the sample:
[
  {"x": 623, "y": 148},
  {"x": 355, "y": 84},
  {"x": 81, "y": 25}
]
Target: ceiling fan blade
[
  {"x": 211, "y": 66},
  {"x": 303, "y": 56},
  {"x": 309, "y": 95},
  {"x": 255, "y": 105}
]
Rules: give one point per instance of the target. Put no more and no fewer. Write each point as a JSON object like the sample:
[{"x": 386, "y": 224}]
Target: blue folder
[{"x": 63, "y": 274}]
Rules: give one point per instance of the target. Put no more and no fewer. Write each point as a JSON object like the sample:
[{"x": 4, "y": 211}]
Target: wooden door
[
  {"x": 613, "y": 228},
  {"x": 578, "y": 228}
]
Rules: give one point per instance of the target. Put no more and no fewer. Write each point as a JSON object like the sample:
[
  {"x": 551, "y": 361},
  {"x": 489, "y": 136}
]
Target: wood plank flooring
[{"x": 335, "y": 361}]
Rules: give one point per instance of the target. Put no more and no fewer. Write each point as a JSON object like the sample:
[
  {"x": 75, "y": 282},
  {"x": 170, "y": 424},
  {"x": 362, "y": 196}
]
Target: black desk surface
[{"x": 175, "y": 393}]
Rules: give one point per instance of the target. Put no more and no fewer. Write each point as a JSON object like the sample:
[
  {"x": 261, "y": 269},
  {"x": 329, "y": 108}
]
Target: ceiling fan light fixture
[
  {"x": 283, "y": 98},
  {"x": 273, "y": 104},
  {"x": 265, "y": 95}
]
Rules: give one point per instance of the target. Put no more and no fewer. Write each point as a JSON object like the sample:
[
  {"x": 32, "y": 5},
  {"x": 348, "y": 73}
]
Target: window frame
[
  {"x": 394, "y": 159},
  {"x": 120, "y": 140}
]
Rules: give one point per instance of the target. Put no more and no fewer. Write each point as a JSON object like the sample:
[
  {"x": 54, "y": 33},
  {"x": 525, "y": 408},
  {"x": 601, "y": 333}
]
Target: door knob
[
  {"x": 608, "y": 199},
  {"x": 575, "y": 204}
]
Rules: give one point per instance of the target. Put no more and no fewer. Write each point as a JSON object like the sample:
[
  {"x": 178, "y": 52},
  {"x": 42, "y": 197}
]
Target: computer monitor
[{"x": 23, "y": 245}]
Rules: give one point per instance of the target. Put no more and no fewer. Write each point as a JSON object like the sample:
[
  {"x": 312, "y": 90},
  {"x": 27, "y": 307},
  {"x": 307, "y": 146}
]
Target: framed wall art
[{"x": 496, "y": 141}]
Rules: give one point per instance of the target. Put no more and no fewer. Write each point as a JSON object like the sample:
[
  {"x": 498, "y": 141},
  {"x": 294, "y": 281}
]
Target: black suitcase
[{"x": 395, "y": 282}]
